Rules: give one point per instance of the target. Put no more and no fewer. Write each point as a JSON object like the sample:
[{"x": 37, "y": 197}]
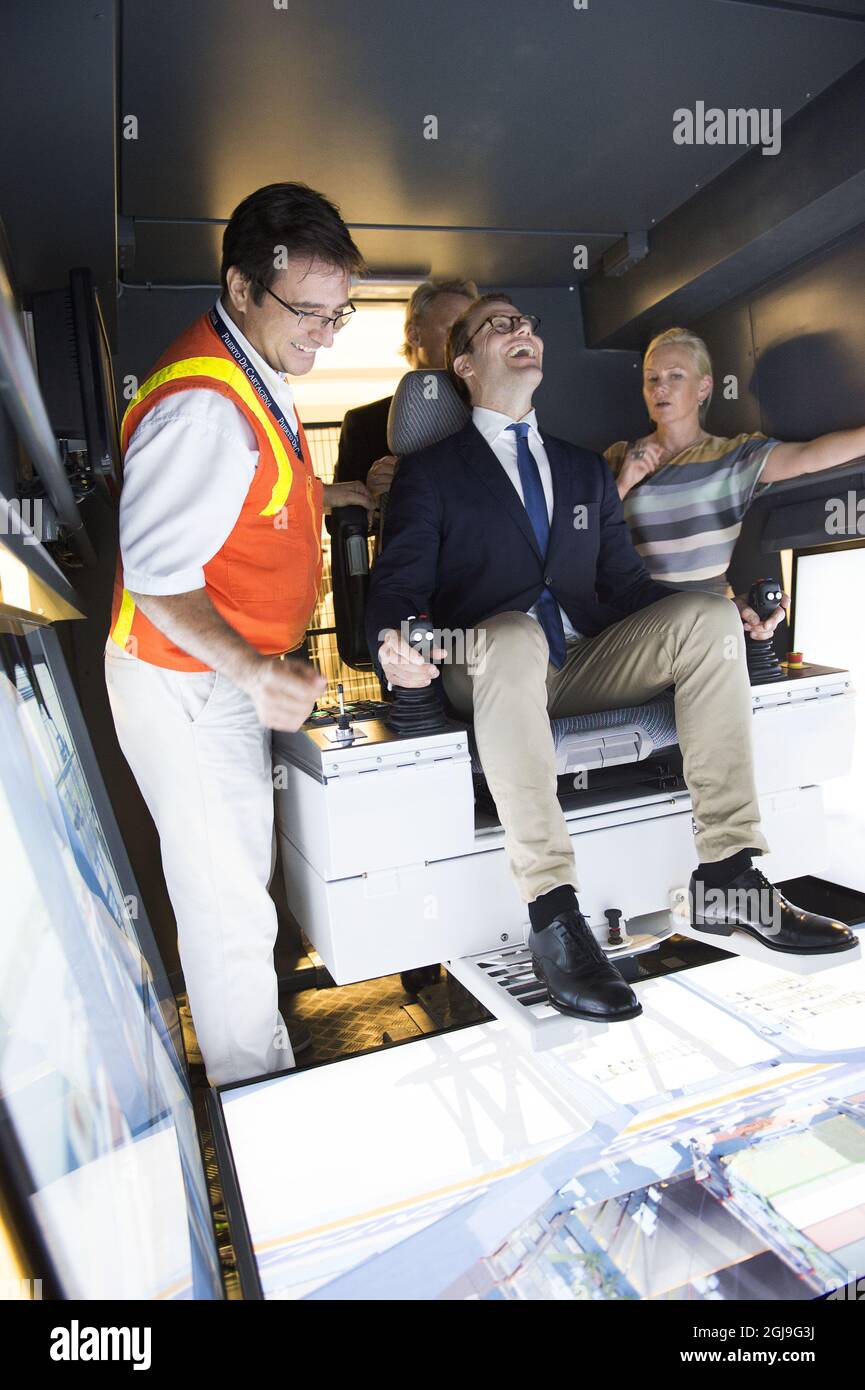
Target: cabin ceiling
[{"x": 554, "y": 124}]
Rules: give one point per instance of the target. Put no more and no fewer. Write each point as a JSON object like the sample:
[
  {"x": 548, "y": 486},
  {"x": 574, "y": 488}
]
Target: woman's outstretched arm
[{"x": 827, "y": 451}]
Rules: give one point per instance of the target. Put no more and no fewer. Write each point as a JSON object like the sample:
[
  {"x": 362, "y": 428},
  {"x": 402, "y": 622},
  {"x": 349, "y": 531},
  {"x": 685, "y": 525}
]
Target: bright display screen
[
  {"x": 92, "y": 1094},
  {"x": 713, "y": 1148}
]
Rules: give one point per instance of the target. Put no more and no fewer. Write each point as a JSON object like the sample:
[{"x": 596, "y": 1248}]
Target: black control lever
[
  {"x": 614, "y": 925},
  {"x": 763, "y": 664},
  {"x": 418, "y": 710},
  {"x": 350, "y": 576}
]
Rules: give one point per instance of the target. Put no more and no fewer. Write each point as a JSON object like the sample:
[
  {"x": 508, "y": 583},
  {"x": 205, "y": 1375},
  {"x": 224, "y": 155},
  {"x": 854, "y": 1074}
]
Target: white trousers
[{"x": 203, "y": 763}]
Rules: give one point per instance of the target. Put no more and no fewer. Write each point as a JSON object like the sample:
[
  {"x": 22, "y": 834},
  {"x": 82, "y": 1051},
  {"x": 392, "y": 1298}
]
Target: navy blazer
[
  {"x": 362, "y": 440},
  {"x": 458, "y": 544}
]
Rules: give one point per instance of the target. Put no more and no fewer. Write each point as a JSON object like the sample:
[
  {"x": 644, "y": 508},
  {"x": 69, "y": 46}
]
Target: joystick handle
[
  {"x": 344, "y": 730},
  {"x": 763, "y": 665},
  {"x": 614, "y": 926},
  {"x": 343, "y": 721},
  {"x": 417, "y": 711},
  {"x": 764, "y": 597},
  {"x": 420, "y": 634}
]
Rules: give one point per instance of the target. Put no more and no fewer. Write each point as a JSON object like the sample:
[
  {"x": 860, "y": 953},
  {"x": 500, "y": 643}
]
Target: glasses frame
[
  {"x": 531, "y": 319},
  {"x": 337, "y": 323}
]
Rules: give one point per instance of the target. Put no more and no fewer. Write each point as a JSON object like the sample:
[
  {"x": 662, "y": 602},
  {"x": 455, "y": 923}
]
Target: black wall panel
[
  {"x": 57, "y": 114},
  {"x": 798, "y": 350}
]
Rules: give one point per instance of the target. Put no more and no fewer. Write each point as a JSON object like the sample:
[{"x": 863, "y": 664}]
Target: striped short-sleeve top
[{"x": 685, "y": 518}]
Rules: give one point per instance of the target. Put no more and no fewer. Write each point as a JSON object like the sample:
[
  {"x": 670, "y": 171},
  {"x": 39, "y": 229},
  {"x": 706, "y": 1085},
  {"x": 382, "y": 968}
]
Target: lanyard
[{"x": 226, "y": 336}]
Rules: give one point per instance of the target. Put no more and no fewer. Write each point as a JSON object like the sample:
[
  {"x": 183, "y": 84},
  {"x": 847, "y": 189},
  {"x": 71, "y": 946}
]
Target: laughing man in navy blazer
[{"x": 518, "y": 539}]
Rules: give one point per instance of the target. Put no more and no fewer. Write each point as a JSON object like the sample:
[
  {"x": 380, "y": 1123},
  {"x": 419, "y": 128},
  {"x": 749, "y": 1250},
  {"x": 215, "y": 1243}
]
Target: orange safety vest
[{"x": 264, "y": 580}]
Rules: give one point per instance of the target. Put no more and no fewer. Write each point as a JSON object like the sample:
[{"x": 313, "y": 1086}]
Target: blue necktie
[{"x": 536, "y": 505}]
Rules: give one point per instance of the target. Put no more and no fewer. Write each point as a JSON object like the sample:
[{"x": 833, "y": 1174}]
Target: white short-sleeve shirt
[{"x": 493, "y": 425}]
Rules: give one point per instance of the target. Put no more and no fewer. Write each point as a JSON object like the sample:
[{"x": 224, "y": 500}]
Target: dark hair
[
  {"x": 459, "y": 335},
  {"x": 289, "y": 218}
]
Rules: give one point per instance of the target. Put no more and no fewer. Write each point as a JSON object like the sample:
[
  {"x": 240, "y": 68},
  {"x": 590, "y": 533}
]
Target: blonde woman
[{"x": 686, "y": 491}]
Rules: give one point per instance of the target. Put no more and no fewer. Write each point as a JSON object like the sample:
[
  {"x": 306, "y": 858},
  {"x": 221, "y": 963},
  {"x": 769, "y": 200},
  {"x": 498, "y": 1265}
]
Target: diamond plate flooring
[{"x": 326, "y": 1024}]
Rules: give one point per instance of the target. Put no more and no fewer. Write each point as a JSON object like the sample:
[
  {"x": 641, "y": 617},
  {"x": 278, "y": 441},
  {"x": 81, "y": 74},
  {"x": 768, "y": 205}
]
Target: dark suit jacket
[
  {"x": 458, "y": 544},
  {"x": 362, "y": 440}
]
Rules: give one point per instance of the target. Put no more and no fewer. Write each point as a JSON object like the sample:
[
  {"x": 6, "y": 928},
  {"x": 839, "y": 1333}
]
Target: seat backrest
[{"x": 425, "y": 408}]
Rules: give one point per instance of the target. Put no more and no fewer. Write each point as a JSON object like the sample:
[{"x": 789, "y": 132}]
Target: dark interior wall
[
  {"x": 58, "y": 118},
  {"x": 230, "y": 95},
  {"x": 797, "y": 349},
  {"x": 591, "y": 398},
  {"x": 147, "y": 321}
]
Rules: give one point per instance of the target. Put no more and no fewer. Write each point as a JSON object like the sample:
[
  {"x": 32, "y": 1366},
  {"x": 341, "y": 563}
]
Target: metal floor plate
[
  {"x": 505, "y": 982},
  {"x": 347, "y": 1019}
]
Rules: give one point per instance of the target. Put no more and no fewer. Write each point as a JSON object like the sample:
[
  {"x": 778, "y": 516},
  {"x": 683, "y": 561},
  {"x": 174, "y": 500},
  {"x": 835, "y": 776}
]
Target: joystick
[
  {"x": 417, "y": 710},
  {"x": 614, "y": 925},
  {"x": 340, "y": 729},
  {"x": 344, "y": 731},
  {"x": 763, "y": 663}
]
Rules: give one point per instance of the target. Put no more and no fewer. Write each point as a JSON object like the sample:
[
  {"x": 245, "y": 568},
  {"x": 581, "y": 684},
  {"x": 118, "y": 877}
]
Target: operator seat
[{"x": 425, "y": 409}]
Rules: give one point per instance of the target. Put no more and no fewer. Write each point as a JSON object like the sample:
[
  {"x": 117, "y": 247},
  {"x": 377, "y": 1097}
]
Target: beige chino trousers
[{"x": 508, "y": 687}]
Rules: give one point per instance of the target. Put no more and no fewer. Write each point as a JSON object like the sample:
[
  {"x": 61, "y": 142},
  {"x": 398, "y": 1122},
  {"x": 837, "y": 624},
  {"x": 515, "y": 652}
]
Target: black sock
[
  {"x": 549, "y": 905},
  {"x": 715, "y": 875}
]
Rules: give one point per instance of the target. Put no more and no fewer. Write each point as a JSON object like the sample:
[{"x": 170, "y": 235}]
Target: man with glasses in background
[
  {"x": 520, "y": 538},
  {"x": 217, "y": 577}
]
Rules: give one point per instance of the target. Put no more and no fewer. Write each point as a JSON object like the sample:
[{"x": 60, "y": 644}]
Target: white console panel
[
  {"x": 379, "y": 803},
  {"x": 388, "y": 866},
  {"x": 804, "y": 731},
  {"x": 411, "y": 914}
]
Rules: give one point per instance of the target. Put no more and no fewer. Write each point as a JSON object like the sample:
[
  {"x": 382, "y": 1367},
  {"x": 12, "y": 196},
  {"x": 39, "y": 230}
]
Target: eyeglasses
[
  {"x": 322, "y": 320},
  {"x": 507, "y": 323}
]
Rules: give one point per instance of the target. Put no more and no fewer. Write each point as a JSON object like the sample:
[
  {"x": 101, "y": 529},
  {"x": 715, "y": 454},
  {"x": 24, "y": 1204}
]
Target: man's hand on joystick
[
  {"x": 761, "y": 629},
  {"x": 764, "y": 601},
  {"x": 404, "y": 665}
]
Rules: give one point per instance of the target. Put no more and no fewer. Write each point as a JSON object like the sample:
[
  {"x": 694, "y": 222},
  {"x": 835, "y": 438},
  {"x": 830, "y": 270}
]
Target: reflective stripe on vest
[
  {"x": 220, "y": 369},
  {"x": 122, "y": 628}
]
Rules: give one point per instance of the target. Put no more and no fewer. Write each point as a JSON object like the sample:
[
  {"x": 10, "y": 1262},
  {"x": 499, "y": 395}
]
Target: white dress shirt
[
  {"x": 493, "y": 425},
  {"x": 187, "y": 470}
]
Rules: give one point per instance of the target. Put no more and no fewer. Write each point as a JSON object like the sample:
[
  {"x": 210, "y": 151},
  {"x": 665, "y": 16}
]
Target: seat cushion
[{"x": 609, "y": 737}]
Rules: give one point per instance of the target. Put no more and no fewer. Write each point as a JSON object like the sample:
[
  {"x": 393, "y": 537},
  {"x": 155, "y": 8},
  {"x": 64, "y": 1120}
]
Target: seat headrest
[{"x": 425, "y": 408}]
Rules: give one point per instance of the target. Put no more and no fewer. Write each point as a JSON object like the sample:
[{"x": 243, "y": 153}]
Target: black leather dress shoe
[
  {"x": 580, "y": 980},
  {"x": 750, "y": 903}
]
